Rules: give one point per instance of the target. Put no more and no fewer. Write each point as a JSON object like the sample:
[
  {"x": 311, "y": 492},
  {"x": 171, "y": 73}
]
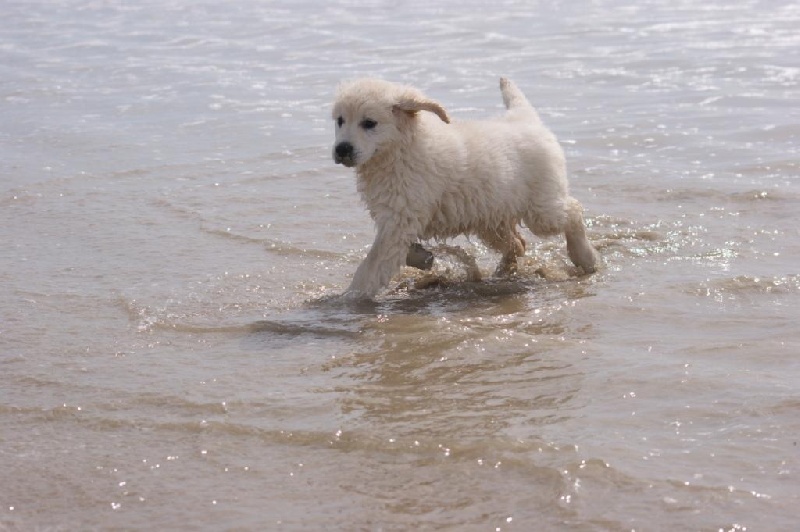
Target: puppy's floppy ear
[{"x": 411, "y": 102}]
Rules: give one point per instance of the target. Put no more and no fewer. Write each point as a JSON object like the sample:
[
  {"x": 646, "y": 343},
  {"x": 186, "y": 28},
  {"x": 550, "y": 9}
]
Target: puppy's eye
[
  {"x": 368, "y": 123},
  {"x": 340, "y": 121}
]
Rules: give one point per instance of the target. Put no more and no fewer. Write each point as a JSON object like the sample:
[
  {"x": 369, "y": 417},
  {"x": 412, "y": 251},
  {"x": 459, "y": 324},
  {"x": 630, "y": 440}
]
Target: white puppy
[{"x": 424, "y": 177}]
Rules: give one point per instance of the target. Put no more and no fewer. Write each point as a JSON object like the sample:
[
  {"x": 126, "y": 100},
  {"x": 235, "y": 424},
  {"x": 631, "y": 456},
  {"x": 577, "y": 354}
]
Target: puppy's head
[{"x": 372, "y": 115}]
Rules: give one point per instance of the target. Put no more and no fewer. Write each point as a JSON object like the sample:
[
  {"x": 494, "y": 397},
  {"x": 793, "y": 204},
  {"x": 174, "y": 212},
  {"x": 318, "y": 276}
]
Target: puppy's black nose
[{"x": 344, "y": 150}]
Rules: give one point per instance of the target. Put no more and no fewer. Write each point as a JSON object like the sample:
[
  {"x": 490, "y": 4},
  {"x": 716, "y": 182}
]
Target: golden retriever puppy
[{"x": 423, "y": 176}]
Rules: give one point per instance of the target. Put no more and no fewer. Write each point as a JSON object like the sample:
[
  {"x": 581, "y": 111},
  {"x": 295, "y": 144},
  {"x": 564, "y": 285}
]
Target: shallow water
[{"x": 174, "y": 231}]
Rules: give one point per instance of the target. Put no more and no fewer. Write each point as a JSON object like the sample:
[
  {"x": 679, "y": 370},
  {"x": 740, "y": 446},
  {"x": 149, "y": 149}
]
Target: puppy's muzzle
[{"x": 344, "y": 153}]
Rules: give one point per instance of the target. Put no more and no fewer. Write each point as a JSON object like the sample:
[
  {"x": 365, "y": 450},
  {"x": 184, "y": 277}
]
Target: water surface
[{"x": 174, "y": 230}]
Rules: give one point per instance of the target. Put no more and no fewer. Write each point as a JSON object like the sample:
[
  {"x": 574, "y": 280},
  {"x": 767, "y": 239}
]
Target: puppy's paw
[{"x": 419, "y": 257}]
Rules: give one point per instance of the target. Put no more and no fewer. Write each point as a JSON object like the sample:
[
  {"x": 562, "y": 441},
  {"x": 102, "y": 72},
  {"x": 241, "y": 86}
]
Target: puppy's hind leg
[
  {"x": 510, "y": 243},
  {"x": 580, "y": 251}
]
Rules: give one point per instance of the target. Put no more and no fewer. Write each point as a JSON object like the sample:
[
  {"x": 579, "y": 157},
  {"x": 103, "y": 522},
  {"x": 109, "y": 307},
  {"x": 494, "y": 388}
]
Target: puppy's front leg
[{"x": 387, "y": 256}]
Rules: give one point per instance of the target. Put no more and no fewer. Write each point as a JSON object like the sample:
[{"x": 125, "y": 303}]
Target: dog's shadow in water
[
  {"x": 336, "y": 316},
  {"x": 455, "y": 286}
]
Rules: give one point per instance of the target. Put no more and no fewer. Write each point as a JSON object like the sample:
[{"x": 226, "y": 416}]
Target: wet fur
[{"x": 423, "y": 177}]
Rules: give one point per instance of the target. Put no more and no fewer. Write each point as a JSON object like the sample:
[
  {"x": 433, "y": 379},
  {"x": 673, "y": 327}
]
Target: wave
[{"x": 742, "y": 285}]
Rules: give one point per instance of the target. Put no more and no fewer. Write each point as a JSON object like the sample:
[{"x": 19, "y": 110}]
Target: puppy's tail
[{"x": 513, "y": 97}]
